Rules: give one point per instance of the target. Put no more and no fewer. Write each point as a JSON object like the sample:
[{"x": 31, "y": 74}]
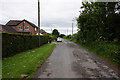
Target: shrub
[{"x": 15, "y": 43}]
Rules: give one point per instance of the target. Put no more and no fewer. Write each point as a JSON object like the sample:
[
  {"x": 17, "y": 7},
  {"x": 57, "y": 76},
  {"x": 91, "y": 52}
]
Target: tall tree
[
  {"x": 98, "y": 21},
  {"x": 55, "y": 32}
]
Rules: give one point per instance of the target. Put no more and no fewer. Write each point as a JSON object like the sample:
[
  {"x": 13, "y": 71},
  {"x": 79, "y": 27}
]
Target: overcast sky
[{"x": 55, "y": 14}]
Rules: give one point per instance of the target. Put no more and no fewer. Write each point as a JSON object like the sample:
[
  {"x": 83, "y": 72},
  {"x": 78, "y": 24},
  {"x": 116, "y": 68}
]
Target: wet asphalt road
[{"x": 69, "y": 60}]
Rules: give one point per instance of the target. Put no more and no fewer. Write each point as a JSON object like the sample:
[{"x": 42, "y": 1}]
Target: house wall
[{"x": 31, "y": 28}]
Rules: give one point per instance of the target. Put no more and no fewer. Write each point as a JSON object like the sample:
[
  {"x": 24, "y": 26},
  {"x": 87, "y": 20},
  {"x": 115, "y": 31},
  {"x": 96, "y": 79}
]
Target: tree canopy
[
  {"x": 55, "y": 32},
  {"x": 99, "y": 21}
]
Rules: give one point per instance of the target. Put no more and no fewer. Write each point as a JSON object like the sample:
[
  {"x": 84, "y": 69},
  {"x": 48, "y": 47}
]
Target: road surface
[{"x": 69, "y": 60}]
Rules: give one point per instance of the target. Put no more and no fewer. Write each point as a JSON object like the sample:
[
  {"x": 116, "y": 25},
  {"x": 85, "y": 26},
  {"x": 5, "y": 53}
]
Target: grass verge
[
  {"x": 107, "y": 50},
  {"x": 25, "y": 62}
]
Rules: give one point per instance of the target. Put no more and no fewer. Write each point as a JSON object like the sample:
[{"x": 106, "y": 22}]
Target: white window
[
  {"x": 35, "y": 29},
  {"x": 26, "y": 27},
  {"x": 21, "y": 28}
]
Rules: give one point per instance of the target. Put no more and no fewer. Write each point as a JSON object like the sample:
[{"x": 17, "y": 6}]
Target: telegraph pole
[
  {"x": 72, "y": 25},
  {"x": 51, "y": 30},
  {"x": 72, "y": 29},
  {"x": 67, "y": 32},
  {"x": 39, "y": 21}
]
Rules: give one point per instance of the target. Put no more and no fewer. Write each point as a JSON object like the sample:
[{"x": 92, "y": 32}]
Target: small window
[
  {"x": 26, "y": 27},
  {"x": 35, "y": 29},
  {"x": 21, "y": 28}
]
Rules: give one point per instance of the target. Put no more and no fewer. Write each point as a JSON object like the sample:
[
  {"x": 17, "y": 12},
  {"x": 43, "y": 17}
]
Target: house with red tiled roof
[{"x": 20, "y": 26}]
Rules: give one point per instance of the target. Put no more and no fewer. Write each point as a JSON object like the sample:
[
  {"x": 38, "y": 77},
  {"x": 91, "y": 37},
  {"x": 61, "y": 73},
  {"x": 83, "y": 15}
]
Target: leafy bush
[
  {"x": 53, "y": 37},
  {"x": 15, "y": 43}
]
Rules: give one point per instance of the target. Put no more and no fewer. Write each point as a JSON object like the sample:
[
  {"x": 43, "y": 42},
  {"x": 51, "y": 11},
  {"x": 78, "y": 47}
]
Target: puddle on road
[
  {"x": 89, "y": 64},
  {"x": 49, "y": 74},
  {"x": 106, "y": 67}
]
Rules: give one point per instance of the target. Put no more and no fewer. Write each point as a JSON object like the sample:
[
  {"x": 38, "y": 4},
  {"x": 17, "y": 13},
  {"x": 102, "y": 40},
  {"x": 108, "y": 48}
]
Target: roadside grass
[
  {"x": 108, "y": 50},
  {"x": 25, "y": 62},
  {"x": 0, "y": 69}
]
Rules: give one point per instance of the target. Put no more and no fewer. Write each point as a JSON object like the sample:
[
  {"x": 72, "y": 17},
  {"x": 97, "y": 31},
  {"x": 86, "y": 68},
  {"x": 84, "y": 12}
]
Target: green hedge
[{"x": 15, "y": 43}]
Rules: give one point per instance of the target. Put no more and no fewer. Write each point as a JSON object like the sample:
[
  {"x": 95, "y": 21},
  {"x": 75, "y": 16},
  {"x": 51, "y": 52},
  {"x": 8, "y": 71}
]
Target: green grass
[
  {"x": 0, "y": 69},
  {"x": 25, "y": 62},
  {"x": 108, "y": 50}
]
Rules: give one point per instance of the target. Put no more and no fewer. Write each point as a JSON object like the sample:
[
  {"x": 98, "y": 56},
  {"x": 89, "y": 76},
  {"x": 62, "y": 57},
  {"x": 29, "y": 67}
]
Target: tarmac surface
[{"x": 68, "y": 60}]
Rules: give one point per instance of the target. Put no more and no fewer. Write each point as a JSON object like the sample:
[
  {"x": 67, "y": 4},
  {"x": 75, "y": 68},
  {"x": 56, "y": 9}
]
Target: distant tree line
[
  {"x": 99, "y": 21},
  {"x": 55, "y": 32}
]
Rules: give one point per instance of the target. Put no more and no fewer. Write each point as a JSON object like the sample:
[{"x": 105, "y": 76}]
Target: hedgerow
[{"x": 14, "y": 43}]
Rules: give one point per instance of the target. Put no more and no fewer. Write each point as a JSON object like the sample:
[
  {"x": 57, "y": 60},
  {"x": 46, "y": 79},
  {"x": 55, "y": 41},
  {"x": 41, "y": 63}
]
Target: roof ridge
[{"x": 16, "y": 20}]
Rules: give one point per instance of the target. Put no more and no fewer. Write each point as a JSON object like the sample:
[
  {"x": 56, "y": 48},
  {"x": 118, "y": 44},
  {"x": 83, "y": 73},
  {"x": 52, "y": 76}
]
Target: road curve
[{"x": 69, "y": 60}]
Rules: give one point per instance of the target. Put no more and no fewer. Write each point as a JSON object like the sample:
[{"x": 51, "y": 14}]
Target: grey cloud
[{"x": 54, "y": 13}]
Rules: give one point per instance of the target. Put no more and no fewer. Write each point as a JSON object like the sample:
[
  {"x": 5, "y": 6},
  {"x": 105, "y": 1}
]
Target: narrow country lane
[{"x": 69, "y": 60}]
